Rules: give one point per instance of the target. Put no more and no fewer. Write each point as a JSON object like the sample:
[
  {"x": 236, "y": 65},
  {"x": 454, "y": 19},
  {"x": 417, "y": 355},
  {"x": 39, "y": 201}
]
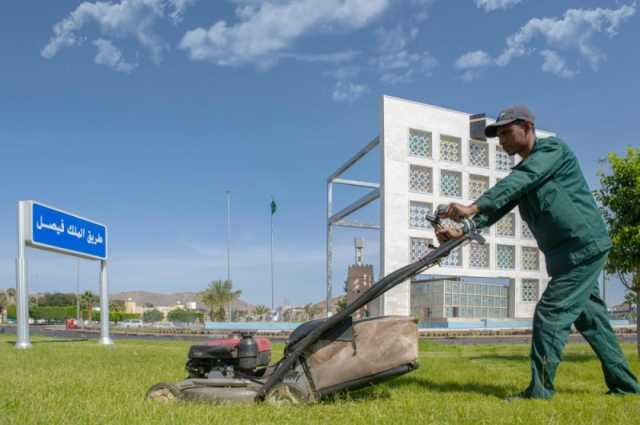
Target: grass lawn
[{"x": 84, "y": 383}]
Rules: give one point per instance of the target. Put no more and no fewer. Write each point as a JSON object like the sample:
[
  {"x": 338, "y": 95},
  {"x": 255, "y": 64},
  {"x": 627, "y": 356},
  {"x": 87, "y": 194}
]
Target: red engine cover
[{"x": 264, "y": 344}]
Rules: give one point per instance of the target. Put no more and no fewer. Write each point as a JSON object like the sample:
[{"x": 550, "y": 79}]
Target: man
[{"x": 555, "y": 201}]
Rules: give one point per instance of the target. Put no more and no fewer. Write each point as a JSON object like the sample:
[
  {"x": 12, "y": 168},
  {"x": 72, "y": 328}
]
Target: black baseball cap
[{"x": 509, "y": 116}]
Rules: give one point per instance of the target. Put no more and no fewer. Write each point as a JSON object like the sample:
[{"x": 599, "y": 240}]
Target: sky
[{"x": 141, "y": 113}]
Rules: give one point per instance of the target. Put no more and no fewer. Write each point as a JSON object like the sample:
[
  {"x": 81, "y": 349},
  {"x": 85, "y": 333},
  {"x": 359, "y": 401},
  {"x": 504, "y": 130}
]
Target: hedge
[{"x": 67, "y": 312}]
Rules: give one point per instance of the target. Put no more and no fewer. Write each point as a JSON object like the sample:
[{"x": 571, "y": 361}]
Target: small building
[{"x": 131, "y": 307}]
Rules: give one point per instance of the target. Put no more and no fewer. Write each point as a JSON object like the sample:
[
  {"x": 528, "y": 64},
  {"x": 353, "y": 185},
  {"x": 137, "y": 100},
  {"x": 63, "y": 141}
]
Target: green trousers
[{"x": 573, "y": 298}]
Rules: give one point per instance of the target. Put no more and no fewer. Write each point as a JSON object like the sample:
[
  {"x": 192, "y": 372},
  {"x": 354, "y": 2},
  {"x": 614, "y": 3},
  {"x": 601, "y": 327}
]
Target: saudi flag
[{"x": 274, "y": 207}]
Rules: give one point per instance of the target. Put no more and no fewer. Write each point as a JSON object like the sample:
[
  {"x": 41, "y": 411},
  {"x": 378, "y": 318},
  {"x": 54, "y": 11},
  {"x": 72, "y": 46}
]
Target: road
[{"x": 46, "y": 331}]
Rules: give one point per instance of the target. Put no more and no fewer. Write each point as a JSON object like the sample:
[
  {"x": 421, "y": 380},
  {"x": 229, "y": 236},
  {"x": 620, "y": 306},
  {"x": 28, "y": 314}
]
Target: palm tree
[
  {"x": 311, "y": 310},
  {"x": 261, "y": 311},
  {"x": 341, "y": 304},
  {"x": 88, "y": 299},
  {"x": 219, "y": 295},
  {"x": 11, "y": 294},
  {"x": 4, "y": 302}
]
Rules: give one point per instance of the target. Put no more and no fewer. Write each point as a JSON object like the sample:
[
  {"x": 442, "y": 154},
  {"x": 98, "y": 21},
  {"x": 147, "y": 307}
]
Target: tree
[
  {"x": 11, "y": 293},
  {"x": 219, "y": 295},
  {"x": 287, "y": 315},
  {"x": 181, "y": 315},
  {"x": 88, "y": 300},
  {"x": 239, "y": 315},
  {"x": 619, "y": 198},
  {"x": 261, "y": 311},
  {"x": 341, "y": 304},
  {"x": 311, "y": 311},
  {"x": 218, "y": 315},
  {"x": 154, "y": 315},
  {"x": 631, "y": 298},
  {"x": 57, "y": 299},
  {"x": 4, "y": 303},
  {"x": 116, "y": 305}
]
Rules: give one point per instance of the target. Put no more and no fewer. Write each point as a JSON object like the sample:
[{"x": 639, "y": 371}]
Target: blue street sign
[{"x": 60, "y": 231}]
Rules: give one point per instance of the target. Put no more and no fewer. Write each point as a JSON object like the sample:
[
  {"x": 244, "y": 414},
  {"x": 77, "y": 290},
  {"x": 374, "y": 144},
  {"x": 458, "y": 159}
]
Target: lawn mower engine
[{"x": 244, "y": 357}]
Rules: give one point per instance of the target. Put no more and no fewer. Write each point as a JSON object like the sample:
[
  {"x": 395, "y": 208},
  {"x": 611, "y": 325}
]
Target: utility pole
[{"x": 228, "y": 195}]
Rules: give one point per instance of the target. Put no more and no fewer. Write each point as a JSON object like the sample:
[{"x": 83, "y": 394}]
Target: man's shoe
[{"x": 522, "y": 395}]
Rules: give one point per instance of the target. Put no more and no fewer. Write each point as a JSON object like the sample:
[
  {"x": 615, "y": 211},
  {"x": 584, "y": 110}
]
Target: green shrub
[{"x": 60, "y": 313}]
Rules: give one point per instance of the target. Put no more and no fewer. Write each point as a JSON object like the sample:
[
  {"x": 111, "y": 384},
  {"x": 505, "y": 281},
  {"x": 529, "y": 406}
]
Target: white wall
[{"x": 398, "y": 116}]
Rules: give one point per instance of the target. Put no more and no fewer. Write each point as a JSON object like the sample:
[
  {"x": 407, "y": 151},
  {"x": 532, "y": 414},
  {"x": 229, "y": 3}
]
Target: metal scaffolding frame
[{"x": 339, "y": 219}]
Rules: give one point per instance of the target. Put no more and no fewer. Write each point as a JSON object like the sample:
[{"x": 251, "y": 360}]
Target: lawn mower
[{"x": 322, "y": 357}]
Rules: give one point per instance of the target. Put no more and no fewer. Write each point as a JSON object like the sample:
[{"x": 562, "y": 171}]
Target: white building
[{"x": 431, "y": 155}]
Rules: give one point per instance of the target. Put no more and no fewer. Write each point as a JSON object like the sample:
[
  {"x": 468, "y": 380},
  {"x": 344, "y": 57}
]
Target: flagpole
[
  {"x": 228, "y": 193},
  {"x": 272, "y": 284}
]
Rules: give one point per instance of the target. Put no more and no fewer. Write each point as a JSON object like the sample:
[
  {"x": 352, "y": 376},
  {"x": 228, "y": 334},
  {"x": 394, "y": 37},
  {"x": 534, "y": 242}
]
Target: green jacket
[{"x": 555, "y": 201}]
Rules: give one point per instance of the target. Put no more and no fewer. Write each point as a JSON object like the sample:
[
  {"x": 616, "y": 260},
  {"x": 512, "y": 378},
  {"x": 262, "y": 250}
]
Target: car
[
  {"x": 163, "y": 325},
  {"x": 132, "y": 323}
]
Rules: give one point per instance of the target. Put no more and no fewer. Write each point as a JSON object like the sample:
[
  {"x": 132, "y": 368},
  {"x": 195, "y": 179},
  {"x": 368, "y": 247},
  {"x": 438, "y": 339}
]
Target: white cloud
[
  {"x": 491, "y": 5},
  {"x": 423, "y": 7},
  {"x": 344, "y": 73},
  {"x": 475, "y": 59},
  {"x": 179, "y": 6},
  {"x": 471, "y": 63},
  {"x": 335, "y": 57},
  {"x": 574, "y": 31},
  {"x": 129, "y": 18},
  {"x": 396, "y": 63},
  {"x": 471, "y": 75},
  {"x": 346, "y": 91},
  {"x": 554, "y": 64},
  {"x": 269, "y": 27},
  {"x": 111, "y": 56}
]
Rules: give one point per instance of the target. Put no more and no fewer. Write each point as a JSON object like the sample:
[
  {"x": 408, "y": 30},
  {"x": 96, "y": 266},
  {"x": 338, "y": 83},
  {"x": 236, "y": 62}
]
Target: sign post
[
  {"x": 44, "y": 227},
  {"x": 22, "y": 296}
]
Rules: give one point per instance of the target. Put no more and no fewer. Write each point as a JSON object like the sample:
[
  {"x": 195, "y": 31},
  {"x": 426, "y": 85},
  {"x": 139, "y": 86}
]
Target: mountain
[{"x": 160, "y": 299}]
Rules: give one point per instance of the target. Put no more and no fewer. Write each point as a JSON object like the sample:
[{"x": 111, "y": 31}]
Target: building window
[
  {"x": 526, "y": 232},
  {"x": 420, "y": 143},
  {"x": 420, "y": 179},
  {"x": 479, "y": 256},
  {"x": 477, "y": 185},
  {"x": 454, "y": 259},
  {"x": 529, "y": 292},
  {"x": 479, "y": 154},
  {"x": 506, "y": 257},
  {"x": 451, "y": 184},
  {"x": 478, "y": 300},
  {"x": 530, "y": 258},
  {"x": 506, "y": 226},
  {"x": 419, "y": 247},
  {"x": 504, "y": 162},
  {"x": 450, "y": 149},
  {"x": 417, "y": 214}
]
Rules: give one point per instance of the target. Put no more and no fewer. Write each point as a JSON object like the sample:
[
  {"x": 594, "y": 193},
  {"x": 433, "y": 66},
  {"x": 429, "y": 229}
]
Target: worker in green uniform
[{"x": 554, "y": 200}]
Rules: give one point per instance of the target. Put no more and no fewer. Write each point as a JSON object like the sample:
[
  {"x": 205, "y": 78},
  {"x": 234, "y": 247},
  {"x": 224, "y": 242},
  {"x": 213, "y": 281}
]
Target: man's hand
[
  {"x": 457, "y": 212},
  {"x": 447, "y": 233}
]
